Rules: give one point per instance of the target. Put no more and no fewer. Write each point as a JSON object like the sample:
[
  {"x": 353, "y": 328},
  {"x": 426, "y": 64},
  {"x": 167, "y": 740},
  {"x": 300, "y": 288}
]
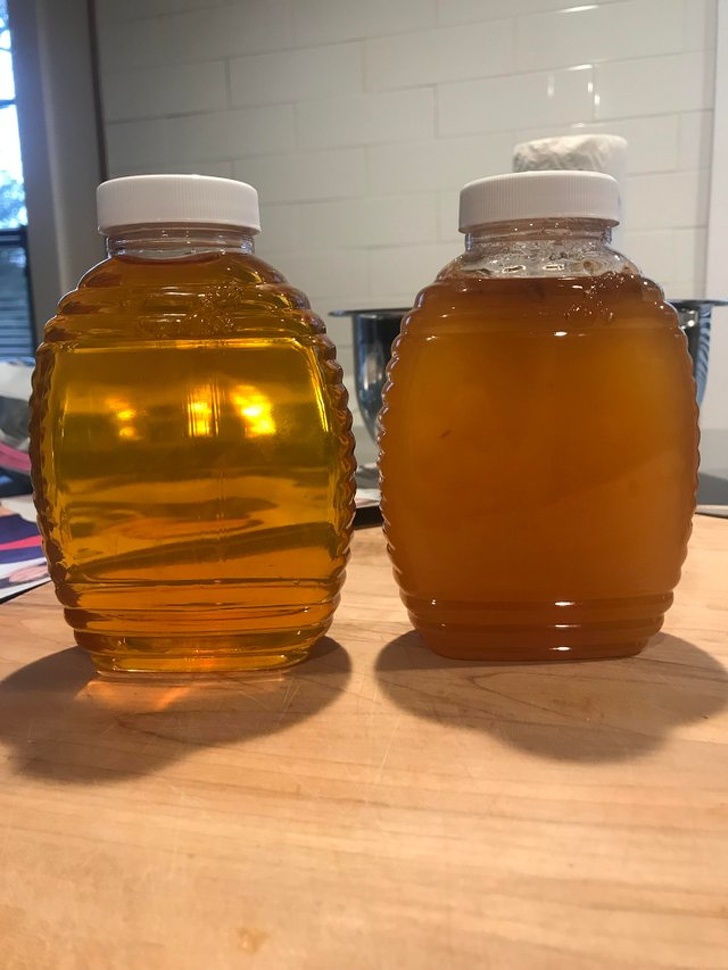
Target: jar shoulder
[
  {"x": 463, "y": 300},
  {"x": 213, "y": 295}
]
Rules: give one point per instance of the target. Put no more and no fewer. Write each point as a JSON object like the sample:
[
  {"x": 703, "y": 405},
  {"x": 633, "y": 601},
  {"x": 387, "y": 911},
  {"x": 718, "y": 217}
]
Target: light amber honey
[{"x": 192, "y": 465}]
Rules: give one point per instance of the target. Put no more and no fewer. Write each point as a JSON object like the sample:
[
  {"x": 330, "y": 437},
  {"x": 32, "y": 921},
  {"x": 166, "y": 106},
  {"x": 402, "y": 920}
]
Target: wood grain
[{"x": 376, "y": 807}]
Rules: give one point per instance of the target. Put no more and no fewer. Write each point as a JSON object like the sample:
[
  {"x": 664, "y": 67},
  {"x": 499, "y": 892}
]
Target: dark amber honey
[{"x": 538, "y": 461}]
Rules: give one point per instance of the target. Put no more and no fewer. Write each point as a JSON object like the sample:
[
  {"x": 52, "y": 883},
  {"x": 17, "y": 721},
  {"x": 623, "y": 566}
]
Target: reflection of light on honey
[
  {"x": 145, "y": 699},
  {"x": 255, "y": 409},
  {"x": 200, "y": 417},
  {"x": 124, "y": 414}
]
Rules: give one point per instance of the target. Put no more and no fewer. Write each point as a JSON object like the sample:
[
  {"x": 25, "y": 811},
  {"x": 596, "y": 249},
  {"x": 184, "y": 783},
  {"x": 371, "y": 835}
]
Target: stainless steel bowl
[
  {"x": 374, "y": 332},
  {"x": 695, "y": 317}
]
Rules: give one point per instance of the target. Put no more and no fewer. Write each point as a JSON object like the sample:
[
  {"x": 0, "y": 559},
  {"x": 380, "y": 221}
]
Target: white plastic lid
[
  {"x": 539, "y": 195},
  {"x": 138, "y": 200}
]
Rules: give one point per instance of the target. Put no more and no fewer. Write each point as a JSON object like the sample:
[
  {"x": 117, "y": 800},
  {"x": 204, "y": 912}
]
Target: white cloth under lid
[{"x": 585, "y": 153}]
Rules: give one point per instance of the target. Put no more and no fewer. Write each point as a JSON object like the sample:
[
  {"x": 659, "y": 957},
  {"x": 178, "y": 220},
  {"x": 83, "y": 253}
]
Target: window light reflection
[
  {"x": 124, "y": 415},
  {"x": 256, "y": 410},
  {"x": 201, "y": 421}
]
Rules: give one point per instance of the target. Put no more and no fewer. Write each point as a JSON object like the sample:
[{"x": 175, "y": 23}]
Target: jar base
[
  {"x": 538, "y": 632},
  {"x": 155, "y": 657},
  {"x": 453, "y": 647}
]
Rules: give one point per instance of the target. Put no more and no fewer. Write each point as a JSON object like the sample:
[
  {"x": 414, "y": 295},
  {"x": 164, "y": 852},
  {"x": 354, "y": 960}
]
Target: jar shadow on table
[
  {"x": 586, "y": 711},
  {"x": 65, "y": 724}
]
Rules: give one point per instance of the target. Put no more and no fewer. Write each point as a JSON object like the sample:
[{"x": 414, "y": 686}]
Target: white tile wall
[
  {"x": 445, "y": 54},
  {"x": 551, "y": 98},
  {"x": 700, "y": 26},
  {"x": 166, "y": 91},
  {"x": 406, "y": 272},
  {"x": 674, "y": 255},
  {"x": 297, "y": 75},
  {"x": 436, "y": 164},
  {"x": 667, "y": 200},
  {"x": 654, "y": 248},
  {"x": 473, "y": 11},
  {"x": 133, "y": 9},
  {"x": 281, "y": 230},
  {"x": 695, "y": 141},
  {"x": 407, "y": 220},
  {"x": 654, "y": 85},
  {"x": 187, "y": 31},
  {"x": 231, "y": 134},
  {"x": 229, "y": 29},
  {"x": 137, "y": 144},
  {"x": 339, "y": 173},
  {"x": 343, "y": 271},
  {"x": 130, "y": 44},
  {"x": 366, "y": 118},
  {"x": 599, "y": 32},
  {"x": 327, "y": 21},
  {"x": 359, "y": 120}
]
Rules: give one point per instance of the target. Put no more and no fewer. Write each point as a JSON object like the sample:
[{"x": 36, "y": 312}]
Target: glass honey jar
[
  {"x": 538, "y": 444},
  {"x": 191, "y": 447}
]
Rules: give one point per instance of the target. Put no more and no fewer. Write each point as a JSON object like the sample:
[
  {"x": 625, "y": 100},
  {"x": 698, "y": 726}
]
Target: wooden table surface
[{"x": 376, "y": 807}]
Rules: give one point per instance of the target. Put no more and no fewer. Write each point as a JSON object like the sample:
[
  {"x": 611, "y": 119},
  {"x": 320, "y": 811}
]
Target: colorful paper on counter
[{"x": 22, "y": 563}]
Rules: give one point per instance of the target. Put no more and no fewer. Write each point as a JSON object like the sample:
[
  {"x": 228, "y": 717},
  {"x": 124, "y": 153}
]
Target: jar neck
[
  {"x": 541, "y": 248},
  {"x": 560, "y": 232},
  {"x": 177, "y": 242}
]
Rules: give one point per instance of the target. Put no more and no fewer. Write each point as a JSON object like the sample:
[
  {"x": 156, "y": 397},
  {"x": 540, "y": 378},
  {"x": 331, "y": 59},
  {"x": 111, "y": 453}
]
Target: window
[{"x": 16, "y": 328}]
